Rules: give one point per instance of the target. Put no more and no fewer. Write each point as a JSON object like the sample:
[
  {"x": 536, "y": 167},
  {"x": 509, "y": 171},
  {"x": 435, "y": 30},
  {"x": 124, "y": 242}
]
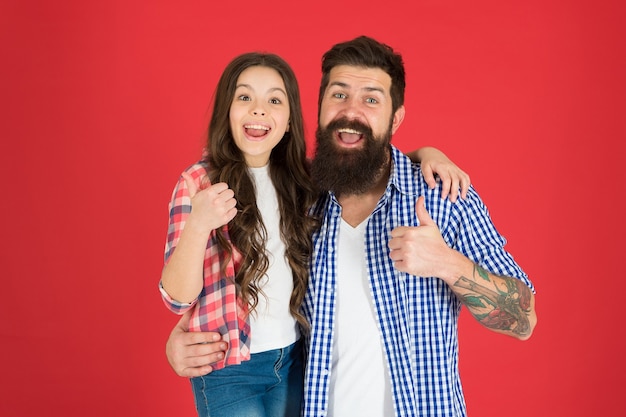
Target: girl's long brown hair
[{"x": 289, "y": 172}]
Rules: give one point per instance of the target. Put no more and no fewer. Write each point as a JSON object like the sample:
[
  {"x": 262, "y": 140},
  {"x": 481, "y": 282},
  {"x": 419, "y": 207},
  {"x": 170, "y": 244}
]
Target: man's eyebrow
[
  {"x": 338, "y": 84},
  {"x": 368, "y": 89},
  {"x": 375, "y": 89}
]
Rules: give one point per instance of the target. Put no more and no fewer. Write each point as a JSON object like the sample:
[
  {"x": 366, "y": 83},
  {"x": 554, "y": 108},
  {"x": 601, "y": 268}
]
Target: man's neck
[{"x": 355, "y": 208}]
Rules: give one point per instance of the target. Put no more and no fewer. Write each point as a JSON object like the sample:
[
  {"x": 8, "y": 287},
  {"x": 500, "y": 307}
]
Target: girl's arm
[{"x": 211, "y": 207}]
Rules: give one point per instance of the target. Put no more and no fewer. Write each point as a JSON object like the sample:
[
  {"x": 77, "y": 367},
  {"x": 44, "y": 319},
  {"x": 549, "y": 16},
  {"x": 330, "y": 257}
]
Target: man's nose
[{"x": 351, "y": 109}]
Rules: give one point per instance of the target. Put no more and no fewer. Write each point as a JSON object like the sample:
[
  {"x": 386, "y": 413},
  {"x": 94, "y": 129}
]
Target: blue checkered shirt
[{"x": 417, "y": 316}]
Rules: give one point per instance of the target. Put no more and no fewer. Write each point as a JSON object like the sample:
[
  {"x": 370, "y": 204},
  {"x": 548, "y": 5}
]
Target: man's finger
[{"x": 422, "y": 214}]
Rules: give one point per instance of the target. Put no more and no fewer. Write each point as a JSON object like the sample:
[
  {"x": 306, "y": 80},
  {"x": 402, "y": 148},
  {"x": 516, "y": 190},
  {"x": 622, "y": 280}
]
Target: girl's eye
[
  {"x": 275, "y": 101},
  {"x": 243, "y": 97}
]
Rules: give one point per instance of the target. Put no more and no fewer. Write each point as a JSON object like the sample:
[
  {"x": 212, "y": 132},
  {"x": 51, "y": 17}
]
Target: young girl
[
  {"x": 240, "y": 256},
  {"x": 239, "y": 241}
]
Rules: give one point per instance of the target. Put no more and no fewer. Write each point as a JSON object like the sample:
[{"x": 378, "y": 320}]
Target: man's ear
[{"x": 398, "y": 118}]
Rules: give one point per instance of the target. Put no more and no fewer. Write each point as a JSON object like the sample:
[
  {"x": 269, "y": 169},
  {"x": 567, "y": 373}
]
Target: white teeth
[
  {"x": 257, "y": 127},
  {"x": 346, "y": 130}
]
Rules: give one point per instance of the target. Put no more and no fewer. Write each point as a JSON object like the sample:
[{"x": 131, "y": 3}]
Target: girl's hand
[
  {"x": 212, "y": 206},
  {"x": 454, "y": 180}
]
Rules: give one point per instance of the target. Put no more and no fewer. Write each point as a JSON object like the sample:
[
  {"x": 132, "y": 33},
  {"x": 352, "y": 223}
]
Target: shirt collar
[{"x": 402, "y": 176}]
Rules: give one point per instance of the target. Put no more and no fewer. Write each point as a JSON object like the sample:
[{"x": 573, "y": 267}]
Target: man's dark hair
[{"x": 367, "y": 53}]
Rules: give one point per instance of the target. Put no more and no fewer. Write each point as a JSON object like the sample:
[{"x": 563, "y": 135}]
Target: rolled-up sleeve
[
  {"x": 179, "y": 209},
  {"x": 175, "y": 306}
]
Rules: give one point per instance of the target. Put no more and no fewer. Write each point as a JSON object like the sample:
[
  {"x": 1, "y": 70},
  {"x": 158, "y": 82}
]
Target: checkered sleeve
[
  {"x": 478, "y": 239},
  {"x": 218, "y": 308},
  {"x": 179, "y": 209}
]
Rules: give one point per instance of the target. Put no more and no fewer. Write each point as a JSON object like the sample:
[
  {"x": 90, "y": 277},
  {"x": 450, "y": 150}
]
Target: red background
[{"x": 104, "y": 104}]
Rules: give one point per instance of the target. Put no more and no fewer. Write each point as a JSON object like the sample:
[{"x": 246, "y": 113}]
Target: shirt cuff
[{"x": 175, "y": 306}]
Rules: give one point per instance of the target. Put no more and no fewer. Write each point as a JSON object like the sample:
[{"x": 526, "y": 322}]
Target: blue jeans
[{"x": 270, "y": 384}]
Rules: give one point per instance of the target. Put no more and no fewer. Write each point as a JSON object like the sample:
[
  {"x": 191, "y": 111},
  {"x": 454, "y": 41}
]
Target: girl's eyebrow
[
  {"x": 278, "y": 89},
  {"x": 271, "y": 90}
]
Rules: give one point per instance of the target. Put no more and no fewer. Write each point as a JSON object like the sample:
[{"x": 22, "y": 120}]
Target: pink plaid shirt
[{"x": 218, "y": 308}]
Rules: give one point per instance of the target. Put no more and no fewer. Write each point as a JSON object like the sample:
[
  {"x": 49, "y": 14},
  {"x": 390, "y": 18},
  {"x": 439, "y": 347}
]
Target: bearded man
[{"x": 387, "y": 280}]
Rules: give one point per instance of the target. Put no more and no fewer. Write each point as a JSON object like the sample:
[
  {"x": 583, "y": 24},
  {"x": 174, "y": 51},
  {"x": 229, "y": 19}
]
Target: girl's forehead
[{"x": 260, "y": 75}]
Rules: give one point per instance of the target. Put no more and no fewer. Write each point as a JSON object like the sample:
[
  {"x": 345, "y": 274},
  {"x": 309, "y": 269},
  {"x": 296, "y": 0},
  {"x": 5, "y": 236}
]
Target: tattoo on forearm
[{"x": 502, "y": 309}]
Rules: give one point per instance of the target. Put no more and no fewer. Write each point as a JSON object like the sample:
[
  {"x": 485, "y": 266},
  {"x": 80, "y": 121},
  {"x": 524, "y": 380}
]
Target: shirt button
[{"x": 325, "y": 372}]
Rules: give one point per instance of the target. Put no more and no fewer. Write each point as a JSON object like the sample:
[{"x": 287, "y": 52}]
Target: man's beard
[{"x": 349, "y": 171}]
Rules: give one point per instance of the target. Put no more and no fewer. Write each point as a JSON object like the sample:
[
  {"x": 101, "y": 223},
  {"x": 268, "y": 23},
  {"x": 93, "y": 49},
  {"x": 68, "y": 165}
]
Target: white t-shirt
[
  {"x": 360, "y": 382},
  {"x": 271, "y": 324}
]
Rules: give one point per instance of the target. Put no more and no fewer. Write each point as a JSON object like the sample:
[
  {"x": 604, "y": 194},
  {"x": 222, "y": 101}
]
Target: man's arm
[
  {"x": 502, "y": 304},
  {"x": 454, "y": 180},
  {"x": 191, "y": 354}
]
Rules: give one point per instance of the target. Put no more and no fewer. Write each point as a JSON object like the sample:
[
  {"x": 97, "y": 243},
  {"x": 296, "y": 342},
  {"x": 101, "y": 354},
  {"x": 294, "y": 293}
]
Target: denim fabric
[{"x": 268, "y": 385}]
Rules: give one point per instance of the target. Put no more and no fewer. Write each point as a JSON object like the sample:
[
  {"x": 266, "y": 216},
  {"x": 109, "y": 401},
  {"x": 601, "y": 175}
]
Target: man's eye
[
  {"x": 339, "y": 95},
  {"x": 372, "y": 100}
]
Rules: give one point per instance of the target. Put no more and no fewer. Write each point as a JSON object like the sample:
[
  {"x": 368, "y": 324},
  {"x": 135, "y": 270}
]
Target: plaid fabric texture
[
  {"x": 218, "y": 308},
  {"x": 417, "y": 316}
]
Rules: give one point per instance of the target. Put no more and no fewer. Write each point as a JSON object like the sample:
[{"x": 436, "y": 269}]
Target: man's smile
[{"x": 349, "y": 136}]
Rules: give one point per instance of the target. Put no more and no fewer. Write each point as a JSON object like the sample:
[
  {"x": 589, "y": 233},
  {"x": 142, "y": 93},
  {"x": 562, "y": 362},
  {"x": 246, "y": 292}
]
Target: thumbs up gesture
[
  {"x": 420, "y": 250},
  {"x": 212, "y": 205}
]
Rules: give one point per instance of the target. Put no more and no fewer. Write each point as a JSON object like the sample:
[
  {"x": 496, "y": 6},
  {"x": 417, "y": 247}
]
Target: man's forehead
[{"x": 360, "y": 77}]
